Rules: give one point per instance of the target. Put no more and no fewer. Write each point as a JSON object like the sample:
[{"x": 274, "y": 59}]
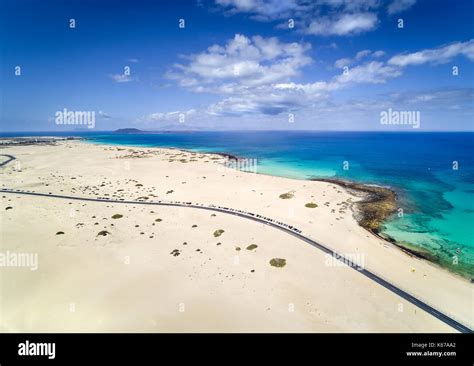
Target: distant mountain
[
  {"x": 161, "y": 129},
  {"x": 129, "y": 130}
]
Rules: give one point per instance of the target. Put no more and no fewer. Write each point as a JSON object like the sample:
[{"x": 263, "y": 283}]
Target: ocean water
[{"x": 437, "y": 197}]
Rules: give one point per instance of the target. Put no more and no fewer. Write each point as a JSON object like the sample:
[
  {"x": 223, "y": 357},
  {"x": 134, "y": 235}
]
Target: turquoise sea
[{"x": 433, "y": 174}]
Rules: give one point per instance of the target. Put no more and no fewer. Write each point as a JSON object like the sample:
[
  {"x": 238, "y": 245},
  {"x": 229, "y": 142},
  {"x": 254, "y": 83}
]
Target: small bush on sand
[
  {"x": 252, "y": 247},
  {"x": 60, "y": 233},
  {"x": 278, "y": 262},
  {"x": 288, "y": 195},
  {"x": 175, "y": 252},
  {"x": 117, "y": 216},
  {"x": 158, "y": 220},
  {"x": 103, "y": 233},
  {"x": 218, "y": 233},
  {"x": 311, "y": 205}
]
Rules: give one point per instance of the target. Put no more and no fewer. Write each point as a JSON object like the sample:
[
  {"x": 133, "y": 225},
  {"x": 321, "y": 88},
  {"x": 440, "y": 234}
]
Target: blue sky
[{"x": 237, "y": 64}]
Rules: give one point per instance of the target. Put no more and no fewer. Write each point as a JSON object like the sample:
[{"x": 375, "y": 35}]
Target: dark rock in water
[
  {"x": 411, "y": 249},
  {"x": 378, "y": 203},
  {"x": 227, "y": 156}
]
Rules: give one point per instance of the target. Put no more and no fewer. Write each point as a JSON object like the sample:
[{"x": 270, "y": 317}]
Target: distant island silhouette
[
  {"x": 166, "y": 129},
  {"x": 130, "y": 130}
]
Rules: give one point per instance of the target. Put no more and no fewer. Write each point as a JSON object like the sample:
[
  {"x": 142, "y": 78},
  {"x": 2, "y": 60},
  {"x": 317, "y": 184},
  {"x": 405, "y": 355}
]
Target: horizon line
[{"x": 242, "y": 130}]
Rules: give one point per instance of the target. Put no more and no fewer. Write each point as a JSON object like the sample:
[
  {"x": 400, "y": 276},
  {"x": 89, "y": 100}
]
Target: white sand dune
[{"x": 129, "y": 280}]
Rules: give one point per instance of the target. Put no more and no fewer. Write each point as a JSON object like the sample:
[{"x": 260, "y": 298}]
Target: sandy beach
[{"x": 114, "y": 267}]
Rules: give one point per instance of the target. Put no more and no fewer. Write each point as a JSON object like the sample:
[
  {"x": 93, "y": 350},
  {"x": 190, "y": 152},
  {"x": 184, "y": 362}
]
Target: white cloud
[
  {"x": 104, "y": 115},
  {"x": 317, "y": 17},
  {"x": 261, "y": 9},
  {"x": 438, "y": 99},
  {"x": 121, "y": 78},
  {"x": 276, "y": 98},
  {"x": 361, "y": 54},
  {"x": 245, "y": 71},
  {"x": 358, "y": 57},
  {"x": 256, "y": 75},
  {"x": 270, "y": 100},
  {"x": 379, "y": 53},
  {"x": 373, "y": 72},
  {"x": 397, "y": 6},
  {"x": 185, "y": 119},
  {"x": 241, "y": 64},
  {"x": 342, "y": 62},
  {"x": 437, "y": 55},
  {"x": 346, "y": 24},
  {"x": 167, "y": 116}
]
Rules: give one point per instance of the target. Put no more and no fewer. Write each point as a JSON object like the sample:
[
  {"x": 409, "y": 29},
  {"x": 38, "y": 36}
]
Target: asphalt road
[
  {"x": 403, "y": 294},
  {"x": 10, "y": 158}
]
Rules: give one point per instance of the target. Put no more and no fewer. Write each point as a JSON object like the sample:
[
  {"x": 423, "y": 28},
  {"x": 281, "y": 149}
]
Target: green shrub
[
  {"x": 218, "y": 233},
  {"x": 278, "y": 262}
]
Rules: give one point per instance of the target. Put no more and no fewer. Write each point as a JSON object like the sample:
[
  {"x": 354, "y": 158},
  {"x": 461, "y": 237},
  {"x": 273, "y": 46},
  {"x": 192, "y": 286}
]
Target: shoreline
[
  {"x": 174, "y": 255},
  {"x": 377, "y": 204},
  {"x": 36, "y": 140}
]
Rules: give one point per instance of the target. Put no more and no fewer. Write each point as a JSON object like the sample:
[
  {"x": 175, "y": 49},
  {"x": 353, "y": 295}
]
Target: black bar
[{"x": 347, "y": 347}]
